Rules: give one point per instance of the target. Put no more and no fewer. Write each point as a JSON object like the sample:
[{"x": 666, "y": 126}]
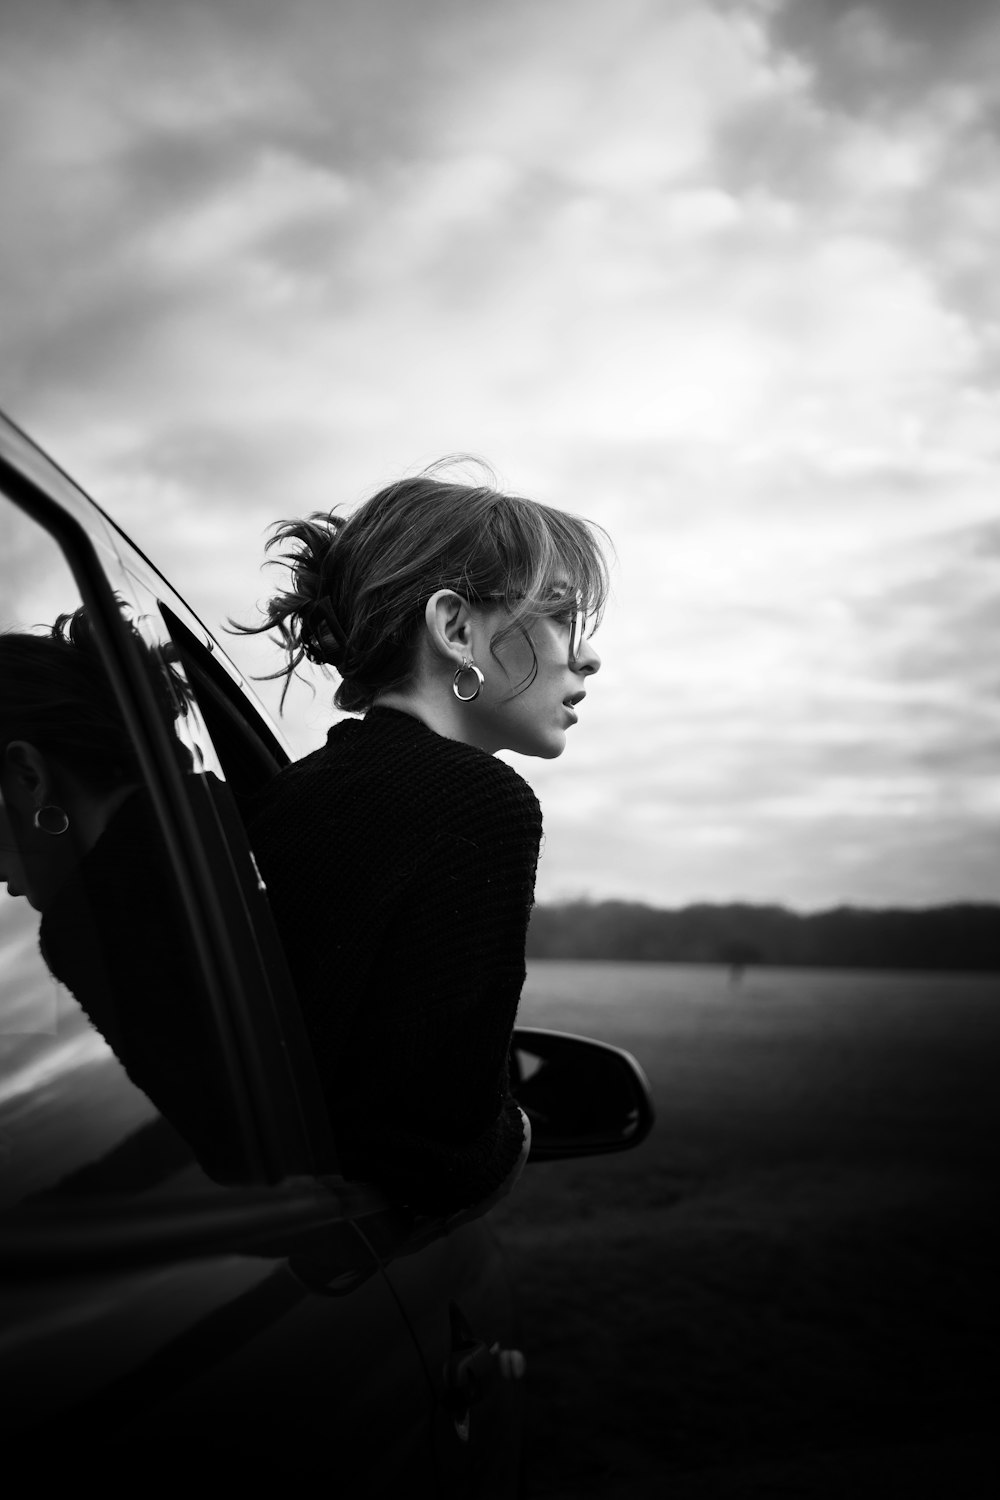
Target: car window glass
[
  {"x": 64, "y": 1097},
  {"x": 112, "y": 1027}
]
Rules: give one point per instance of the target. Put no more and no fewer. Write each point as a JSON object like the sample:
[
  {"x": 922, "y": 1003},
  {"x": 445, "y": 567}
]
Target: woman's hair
[
  {"x": 55, "y": 694},
  {"x": 359, "y": 584}
]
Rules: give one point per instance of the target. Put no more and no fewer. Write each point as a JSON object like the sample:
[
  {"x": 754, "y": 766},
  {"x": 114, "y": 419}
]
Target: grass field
[{"x": 790, "y": 1288}]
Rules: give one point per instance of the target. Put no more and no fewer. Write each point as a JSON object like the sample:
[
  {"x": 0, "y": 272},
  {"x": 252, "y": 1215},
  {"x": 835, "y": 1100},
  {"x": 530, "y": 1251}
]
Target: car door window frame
[{"x": 270, "y": 1104}]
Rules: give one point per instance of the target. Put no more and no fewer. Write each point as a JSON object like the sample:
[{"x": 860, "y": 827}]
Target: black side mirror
[{"x": 583, "y": 1098}]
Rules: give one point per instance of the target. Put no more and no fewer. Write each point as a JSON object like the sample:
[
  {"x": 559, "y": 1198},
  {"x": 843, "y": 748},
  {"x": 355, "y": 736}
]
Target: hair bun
[{"x": 323, "y": 638}]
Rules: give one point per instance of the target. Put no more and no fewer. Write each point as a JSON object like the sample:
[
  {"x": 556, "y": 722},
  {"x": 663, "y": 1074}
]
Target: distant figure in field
[{"x": 738, "y": 953}]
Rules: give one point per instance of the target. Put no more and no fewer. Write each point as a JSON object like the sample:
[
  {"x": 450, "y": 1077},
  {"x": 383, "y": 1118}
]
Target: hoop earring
[
  {"x": 51, "y": 814},
  {"x": 468, "y": 665}
]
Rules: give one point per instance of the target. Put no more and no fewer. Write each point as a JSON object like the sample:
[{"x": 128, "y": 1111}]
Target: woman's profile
[
  {"x": 400, "y": 856},
  {"x": 66, "y": 760}
]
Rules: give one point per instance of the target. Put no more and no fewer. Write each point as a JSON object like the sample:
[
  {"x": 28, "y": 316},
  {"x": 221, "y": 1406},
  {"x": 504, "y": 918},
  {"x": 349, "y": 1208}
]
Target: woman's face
[
  {"x": 535, "y": 720},
  {"x": 33, "y": 863}
]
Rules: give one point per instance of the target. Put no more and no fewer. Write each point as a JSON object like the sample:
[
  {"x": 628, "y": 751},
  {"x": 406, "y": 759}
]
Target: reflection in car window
[
  {"x": 91, "y": 889},
  {"x": 64, "y": 1097}
]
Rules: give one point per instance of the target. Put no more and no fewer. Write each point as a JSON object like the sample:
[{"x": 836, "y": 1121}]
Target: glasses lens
[{"x": 579, "y": 630}]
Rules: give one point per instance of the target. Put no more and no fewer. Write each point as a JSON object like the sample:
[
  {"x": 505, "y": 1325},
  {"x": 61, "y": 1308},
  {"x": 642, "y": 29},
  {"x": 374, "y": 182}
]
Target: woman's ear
[
  {"x": 27, "y": 779},
  {"x": 449, "y": 625}
]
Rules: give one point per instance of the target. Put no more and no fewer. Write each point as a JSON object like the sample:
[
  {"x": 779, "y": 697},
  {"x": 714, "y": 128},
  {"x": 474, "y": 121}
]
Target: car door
[{"x": 184, "y": 1272}]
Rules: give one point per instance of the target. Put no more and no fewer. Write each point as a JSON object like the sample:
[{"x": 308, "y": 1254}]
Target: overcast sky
[{"x": 722, "y": 277}]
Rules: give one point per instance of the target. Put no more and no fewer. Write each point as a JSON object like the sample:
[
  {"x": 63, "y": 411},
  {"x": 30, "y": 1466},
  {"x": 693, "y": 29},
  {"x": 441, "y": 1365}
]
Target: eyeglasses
[
  {"x": 576, "y": 618},
  {"x": 571, "y": 613},
  {"x": 568, "y": 611}
]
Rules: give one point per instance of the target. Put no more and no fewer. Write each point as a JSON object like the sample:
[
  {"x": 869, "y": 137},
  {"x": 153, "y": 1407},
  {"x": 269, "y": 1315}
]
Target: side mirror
[{"x": 583, "y": 1098}]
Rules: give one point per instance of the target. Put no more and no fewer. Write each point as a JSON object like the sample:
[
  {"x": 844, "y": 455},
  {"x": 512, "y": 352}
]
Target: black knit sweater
[{"x": 400, "y": 867}]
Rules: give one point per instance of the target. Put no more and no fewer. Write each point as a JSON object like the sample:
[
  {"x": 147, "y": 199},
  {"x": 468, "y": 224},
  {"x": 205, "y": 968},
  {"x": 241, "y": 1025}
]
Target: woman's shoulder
[
  {"x": 445, "y": 766},
  {"x": 390, "y": 772}
]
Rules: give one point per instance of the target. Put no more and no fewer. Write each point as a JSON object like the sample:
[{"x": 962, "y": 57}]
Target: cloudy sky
[{"x": 720, "y": 276}]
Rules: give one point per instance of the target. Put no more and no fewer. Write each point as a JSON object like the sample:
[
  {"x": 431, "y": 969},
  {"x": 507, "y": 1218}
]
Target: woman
[{"x": 400, "y": 858}]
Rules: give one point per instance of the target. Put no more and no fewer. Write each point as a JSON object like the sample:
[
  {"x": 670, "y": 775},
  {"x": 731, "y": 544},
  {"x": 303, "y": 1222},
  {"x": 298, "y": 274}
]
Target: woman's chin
[{"x": 549, "y": 748}]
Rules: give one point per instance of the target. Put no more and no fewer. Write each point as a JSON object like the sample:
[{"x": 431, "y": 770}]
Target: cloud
[
  {"x": 875, "y": 54},
  {"x": 720, "y": 277},
  {"x": 892, "y": 126},
  {"x": 867, "y": 721}
]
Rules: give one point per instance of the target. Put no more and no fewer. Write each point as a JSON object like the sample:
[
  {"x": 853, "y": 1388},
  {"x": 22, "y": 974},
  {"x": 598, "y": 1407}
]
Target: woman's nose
[{"x": 587, "y": 658}]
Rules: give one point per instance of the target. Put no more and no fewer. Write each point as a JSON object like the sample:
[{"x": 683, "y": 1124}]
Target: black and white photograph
[{"x": 499, "y": 745}]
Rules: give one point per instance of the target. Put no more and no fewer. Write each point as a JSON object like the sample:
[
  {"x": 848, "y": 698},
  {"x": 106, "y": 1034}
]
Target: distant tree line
[{"x": 965, "y": 936}]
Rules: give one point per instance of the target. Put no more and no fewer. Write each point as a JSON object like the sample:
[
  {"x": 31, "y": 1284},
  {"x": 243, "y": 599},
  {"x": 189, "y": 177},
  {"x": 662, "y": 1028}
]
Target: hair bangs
[
  {"x": 551, "y": 556},
  {"x": 559, "y": 558}
]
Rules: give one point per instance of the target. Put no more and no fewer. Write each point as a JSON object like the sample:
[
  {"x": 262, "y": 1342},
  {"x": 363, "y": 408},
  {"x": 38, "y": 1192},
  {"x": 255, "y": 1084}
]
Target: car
[{"x": 254, "y": 1318}]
